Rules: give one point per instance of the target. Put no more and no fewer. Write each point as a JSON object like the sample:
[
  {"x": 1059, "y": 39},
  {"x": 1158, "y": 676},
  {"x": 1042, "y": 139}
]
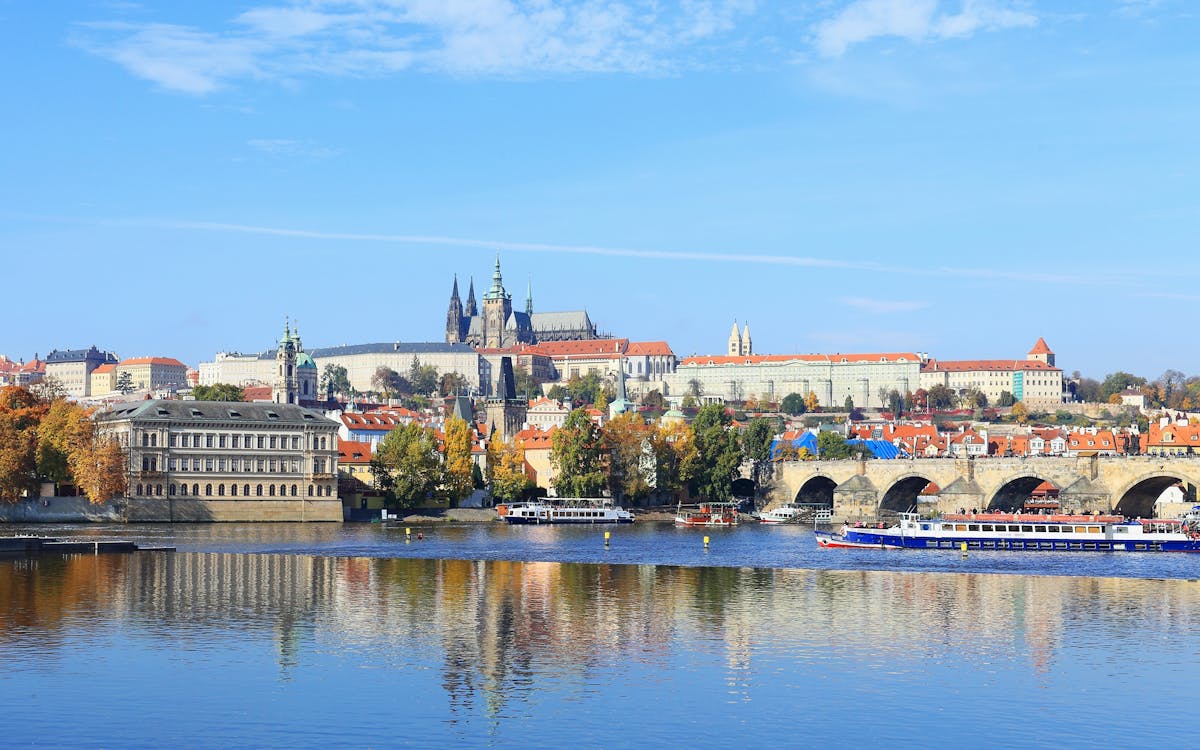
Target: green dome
[{"x": 304, "y": 360}]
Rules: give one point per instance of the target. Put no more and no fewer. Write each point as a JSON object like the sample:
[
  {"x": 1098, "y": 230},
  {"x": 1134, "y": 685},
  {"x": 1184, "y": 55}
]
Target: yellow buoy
[
  {"x": 705, "y": 542},
  {"x": 607, "y": 536},
  {"x": 963, "y": 547}
]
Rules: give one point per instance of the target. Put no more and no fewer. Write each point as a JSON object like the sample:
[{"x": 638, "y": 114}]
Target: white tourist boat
[
  {"x": 782, "y": 514},
  {"x": 543, "y": 512}
]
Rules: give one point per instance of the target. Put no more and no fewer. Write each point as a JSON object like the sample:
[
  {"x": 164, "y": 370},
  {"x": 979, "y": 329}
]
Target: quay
[{"x": 33, "y": 546}]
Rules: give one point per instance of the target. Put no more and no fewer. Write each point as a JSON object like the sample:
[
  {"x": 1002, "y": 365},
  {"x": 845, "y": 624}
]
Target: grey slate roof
[
  {"x": 216, "y": 411},
  {"x": 80, "y": 355},
  {"x": 574, "y": 320}
]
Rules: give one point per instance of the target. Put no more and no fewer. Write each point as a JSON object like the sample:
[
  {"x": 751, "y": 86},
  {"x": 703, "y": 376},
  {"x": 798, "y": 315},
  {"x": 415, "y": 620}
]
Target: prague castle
[{"x": 498, "y": 326}]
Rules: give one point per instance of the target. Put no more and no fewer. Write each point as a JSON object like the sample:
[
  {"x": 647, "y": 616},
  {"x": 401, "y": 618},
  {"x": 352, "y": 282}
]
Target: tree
[
  {"x": 1006, "y": 400},
  {"x": 451, "y": 384},
  {"x": 654, "y": 400},
  {"x": 756, "y": 446},
  {"x": 1020, "y": 412},
  {"x": 457, "y": 462},
  {"x": 695, "y": 388},
  {"x": 833, "y": 445},
  {"x": 584, "y": 389},
  {"x": 218, "y": 392},
  {"x": 1115, "y": 382},
  {"x": 973, "y": 398},
  {"x": 575, "y": 451},
  {"x": 793, "y": 404},
  {"x": 718, "y": 453},
  {"x": 601, "y": 400},
  {"x": 20, "y": 413},
  {"x": 690, "y": 402},
  {"x": 424, "y": 378},
  {"x": 408, "y": 465},
  {"x": 526, "y": 385},
  {"x": 557, "y": 392},
  {"x": 50, "y": 388},
  {"x": 811, "y": 402},
  {"x": 626, "y": 441},
  {"x": 335, "y": 379},
  {"x": 849, "y": 403},
  {"x": 506, "y": 469},
  {"x": 125, "y": 382},
  {"x": 920, "y": 399},
  {"x": 54, "y": 441},
  {"x": 97, "y": 464},
  {"x": 675, "y": 457},
  {"x": 939, "y": 397},
  {"x": 477, "y": 480},
  {"x": 1087, "y": 390},
  {"x": 895, "y": 403}
]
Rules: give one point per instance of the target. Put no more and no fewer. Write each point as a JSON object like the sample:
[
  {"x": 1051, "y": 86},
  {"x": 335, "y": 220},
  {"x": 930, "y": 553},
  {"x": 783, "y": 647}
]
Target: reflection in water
[{"x": 504, "y": 638}]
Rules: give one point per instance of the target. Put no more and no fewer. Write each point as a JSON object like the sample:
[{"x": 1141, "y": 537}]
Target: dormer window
[
  {"x": 235, "y": 414},
  {"x": 197, "y": 413}
]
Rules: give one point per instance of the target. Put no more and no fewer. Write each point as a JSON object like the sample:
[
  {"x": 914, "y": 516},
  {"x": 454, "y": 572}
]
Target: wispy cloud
[
  {"x": 1096, "y": 278},
  {"x": 378, "y": 37},
  {"x": 883, "y": 306},
  {"x": 292, "y": 148},
  {"x": 915, "y": 20}
]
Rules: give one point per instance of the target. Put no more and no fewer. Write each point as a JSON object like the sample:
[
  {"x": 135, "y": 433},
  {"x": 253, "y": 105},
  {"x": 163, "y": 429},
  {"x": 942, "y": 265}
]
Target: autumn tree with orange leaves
[{"x": 56, "y": 441}]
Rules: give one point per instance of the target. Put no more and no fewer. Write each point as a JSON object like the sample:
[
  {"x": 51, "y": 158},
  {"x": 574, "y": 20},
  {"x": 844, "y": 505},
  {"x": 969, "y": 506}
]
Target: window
[
  {"x": 246, "y": 490},
  {"x": 195, "y": 488},
  {"x": 154, "y": 440},
  {"x": 258, "y": 490},
  {"x": 310, "y": 490},
  {"x": 183, "y": 489},
  {"x": 171, "y": 490},
  {"x": 196, "y": 440},
  {"x": 220, "y": 441},
  {"x": 294, "y": 490},
  {"x": 220, "y": 490},
  {"x": 273, "y": 442},
  {"x": 262, "y": 441},
  {"x": 237, "y": 439},
  {"x": 271, "y": 490},
  {"x": 233, "y": 490},
  {"x": 208, "y": 441},
  {"x": 139, "y": 490}
]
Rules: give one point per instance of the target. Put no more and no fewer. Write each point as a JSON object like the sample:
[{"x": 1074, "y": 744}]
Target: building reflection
[{"x": 493, "y": 627}]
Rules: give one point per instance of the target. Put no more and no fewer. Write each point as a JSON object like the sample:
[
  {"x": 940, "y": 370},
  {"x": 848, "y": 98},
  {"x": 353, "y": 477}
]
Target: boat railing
[{"x": 1030, "y": 518}]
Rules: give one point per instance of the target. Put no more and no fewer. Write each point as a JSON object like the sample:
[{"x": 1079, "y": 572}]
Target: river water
[{"x": 531, "y": 637}]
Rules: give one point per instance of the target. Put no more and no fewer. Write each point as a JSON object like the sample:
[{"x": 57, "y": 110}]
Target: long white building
[{"x": 832, "y": 377}]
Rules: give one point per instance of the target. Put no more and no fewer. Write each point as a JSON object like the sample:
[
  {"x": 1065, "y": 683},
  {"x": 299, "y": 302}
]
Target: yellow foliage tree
[
  {"x": 457, "y": 455},
  {"x": 506, "y": 469},
  {"x": 811, "y": 402},
  {"x": 1020, "y": 412}
]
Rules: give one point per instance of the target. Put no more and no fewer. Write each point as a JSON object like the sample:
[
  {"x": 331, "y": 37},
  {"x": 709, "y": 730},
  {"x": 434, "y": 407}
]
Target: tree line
[{"x": 54, "y": 440}]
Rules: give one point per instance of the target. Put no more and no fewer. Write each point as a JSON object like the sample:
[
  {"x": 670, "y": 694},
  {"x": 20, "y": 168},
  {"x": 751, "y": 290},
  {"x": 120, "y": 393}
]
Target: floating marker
[
  {"x": 607, "y": 536},
  {"x": 963, "y": 547},
  {"x": 705, "y": 542},
  {"x": 407, "y": 531}
]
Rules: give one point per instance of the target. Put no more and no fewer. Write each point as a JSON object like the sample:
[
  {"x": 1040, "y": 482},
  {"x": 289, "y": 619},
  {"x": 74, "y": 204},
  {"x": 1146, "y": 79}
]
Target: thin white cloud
[
  {"x": 291, "y": 148},
  {"x": 915, "y": 20},
  {"x": 883, "y": 306},
  {"x": 378, "y": 37}
]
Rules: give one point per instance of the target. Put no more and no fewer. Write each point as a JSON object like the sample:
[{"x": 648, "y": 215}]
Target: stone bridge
[{"x": 863, "y": 489}]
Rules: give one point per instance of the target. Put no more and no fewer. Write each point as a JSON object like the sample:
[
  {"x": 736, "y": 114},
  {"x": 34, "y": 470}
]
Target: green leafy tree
[
  {"x": 477, "y": 477},
  {"x": 756, "y": 446},
  {"x": 718, "y": 453},
  {"x": 1006, "y": 400},
  {"x": 452, "y": 384},
  {"x": 940, "y": 397},
  {"x": 895, "y": 403},
  {"x": 584, "y": 389},
  {"x": 849, "y": 404},
  {"x": 832, "y": 445},
  {"x": 506, "y": 469},
  {"x": 557, "y": 392},
  {"x": 654, "y": 400},
  {"x": 408, "y": 465},
  {"x": 626, "y": 440},
  {"x": 575, "y": 449},
  {"x": 125, "y": 383},
  {"x": 335, "y": 380},
  {"x": 218, "y": 392},
  {"x": 389, "y": 383},
  {"x": 793, "y": 404},
  {"x": 1115, "y": 382},
  {"x": 526, "y": 385},
  {"x": 424, "y": 378}
]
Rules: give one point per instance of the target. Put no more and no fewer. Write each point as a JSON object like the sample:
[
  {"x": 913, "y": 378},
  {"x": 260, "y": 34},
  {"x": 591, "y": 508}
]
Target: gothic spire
[
  {"x": 471, "y": 310},
  {"x": 497, "y": 290},
  {"x": 529, "y": 298}
]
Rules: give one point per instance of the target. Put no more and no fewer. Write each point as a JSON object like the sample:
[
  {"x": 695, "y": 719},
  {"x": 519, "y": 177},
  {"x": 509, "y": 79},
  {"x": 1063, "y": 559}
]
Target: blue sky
[{"x": 956, "y": 177}]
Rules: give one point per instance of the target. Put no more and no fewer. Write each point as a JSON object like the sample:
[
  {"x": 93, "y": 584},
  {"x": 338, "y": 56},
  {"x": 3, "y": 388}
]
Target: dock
[{"x": 33, "y": 546}]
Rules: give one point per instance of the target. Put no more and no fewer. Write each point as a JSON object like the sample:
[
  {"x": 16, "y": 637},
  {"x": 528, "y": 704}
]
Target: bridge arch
[
  {"x": 1014, "y": 491},
  {"x": 743, "y": 488},
  {"x": 818, "y": 490},
  {"x": 902, "y": 496},
  {"x": 1137, "y": 498}
]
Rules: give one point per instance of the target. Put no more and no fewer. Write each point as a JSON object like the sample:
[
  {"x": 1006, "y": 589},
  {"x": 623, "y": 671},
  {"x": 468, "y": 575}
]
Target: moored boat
[
  {"x": 782, "y": 514},
  {"x": 707, "y": 514},
  {"x": 542, "y": 512},
  {"x": 1021, "y": 531}
]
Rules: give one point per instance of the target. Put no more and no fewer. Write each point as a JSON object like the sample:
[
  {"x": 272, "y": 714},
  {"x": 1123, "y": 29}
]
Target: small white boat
[
  {"x": 782, "y": 514},
  {"x": 539, "y": 513}
]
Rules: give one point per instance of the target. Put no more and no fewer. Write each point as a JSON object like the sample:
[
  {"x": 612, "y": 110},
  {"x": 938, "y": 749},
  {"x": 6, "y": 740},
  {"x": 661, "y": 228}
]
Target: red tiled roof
[
  {"x": 758, "y": 359},
  {"x": 990, "y": 365},
  {"x": 649, "y": 349},
  {"x": 105, "y": 368},
  {"x": 153, "y": 361},
  {"x": 592, "y": 348},
  {"x": 1040, "y": 347},
  {"x": 257, "y": 393},
  {"x": 353, "y": 452}
]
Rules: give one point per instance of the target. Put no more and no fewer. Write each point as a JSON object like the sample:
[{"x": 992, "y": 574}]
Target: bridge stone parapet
[{"x": 861, "y": 489}]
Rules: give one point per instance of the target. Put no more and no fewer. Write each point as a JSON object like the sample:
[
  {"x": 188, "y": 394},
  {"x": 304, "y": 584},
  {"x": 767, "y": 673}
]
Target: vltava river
[{"x": 234, "y": 649}]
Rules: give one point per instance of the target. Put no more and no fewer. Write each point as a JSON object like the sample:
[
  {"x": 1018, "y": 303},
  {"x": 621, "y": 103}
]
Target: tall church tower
[
  {"x": 1041, "y": 353},
  {"x": 747, "y": 346},
  {"x": 529, "y": 298},
  {"x": 286, "y": 388},
  {"x": 735, "y": 341},
  {"x": 471, "y": 310},
  {"x": 506, "y": 411},
  {"x": 454, "y": 316},
  {"x": 497, "y": 307}
]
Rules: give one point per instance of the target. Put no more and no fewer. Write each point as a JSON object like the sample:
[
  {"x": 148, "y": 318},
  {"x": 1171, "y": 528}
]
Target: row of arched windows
[{"x": 245, "y": 490}]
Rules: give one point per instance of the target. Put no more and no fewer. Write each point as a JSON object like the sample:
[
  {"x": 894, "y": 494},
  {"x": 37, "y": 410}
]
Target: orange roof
[
  {"x": 1040, "y": 347},
  {"x": 532, "y": 438},
  {"x": 353, "y": 452},
  {"x": 649, "y": 349},
  {"x": 758, "y": 359},
  {"x": 992, "y": 365},
  {"x": 104, "y": 369},
  {"x": 154, "y": 361},
  {"x": 592, "y": 348}
]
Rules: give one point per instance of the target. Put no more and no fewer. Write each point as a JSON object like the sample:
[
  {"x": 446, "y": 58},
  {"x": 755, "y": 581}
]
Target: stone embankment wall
[{"x": 79, "y": 510}]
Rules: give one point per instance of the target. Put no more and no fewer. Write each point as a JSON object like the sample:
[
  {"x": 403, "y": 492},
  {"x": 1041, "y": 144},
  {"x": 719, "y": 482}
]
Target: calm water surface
[{"x": 252, "y": 640}]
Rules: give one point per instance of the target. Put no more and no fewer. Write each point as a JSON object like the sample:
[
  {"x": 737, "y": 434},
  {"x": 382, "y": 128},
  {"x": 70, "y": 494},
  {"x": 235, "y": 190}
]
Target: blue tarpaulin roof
[{"x": 878, "y": 448}]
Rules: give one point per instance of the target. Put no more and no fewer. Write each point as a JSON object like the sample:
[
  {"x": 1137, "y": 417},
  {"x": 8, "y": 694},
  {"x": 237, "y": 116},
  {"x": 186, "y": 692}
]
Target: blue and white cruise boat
[{"x": 1021, "y": 531}]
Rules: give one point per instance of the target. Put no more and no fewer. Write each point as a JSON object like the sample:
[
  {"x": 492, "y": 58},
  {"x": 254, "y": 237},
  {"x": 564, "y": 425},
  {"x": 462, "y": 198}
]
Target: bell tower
[
  {"x": 497, "y": 307},
  {"x": 286, "y": 389}
]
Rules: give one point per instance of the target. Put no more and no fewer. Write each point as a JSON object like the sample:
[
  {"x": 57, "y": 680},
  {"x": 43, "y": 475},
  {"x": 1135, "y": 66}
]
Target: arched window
[
  {"x": 171, "y": 490},
  {"x": 246, "y": 490},
  {"x": 258, "y": 490},
  {"x": 310, "y": 490},
  {"x": 139, "y": 490},
  {"x": 220, "y": 490},
  {"x": 183, "y": 489},
  {"x": 208, "y": 490},
  {"x": 271, "y": 490},
  {"x": 153, "y": 440},
  {"x": 283, "y": 490},
  {"x": 158, "y": 490},
  {"x": 294, "y": 493},
  {"x": 196, "y": 488},
  {"x": 145, "y": 440},
  {"x": 233, "y": 490}
]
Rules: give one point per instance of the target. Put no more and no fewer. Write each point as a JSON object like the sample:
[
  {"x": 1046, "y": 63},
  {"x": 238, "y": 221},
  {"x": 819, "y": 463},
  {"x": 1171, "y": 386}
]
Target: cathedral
[{"x": 495, "y": 325}]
